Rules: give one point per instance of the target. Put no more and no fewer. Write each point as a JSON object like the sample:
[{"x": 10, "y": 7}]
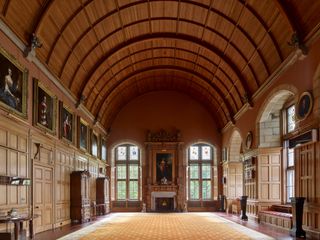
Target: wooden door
[{"x": 42, "y": 200}]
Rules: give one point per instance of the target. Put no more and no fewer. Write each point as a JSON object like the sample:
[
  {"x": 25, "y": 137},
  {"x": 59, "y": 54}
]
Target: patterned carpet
[{"x": 162, "y": 226}]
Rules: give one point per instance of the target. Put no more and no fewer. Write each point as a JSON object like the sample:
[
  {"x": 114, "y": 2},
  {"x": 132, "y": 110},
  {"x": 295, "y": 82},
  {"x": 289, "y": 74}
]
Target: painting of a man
[
  {"x": 164, "y": 168},
  {"x": 304, "y": 105}
]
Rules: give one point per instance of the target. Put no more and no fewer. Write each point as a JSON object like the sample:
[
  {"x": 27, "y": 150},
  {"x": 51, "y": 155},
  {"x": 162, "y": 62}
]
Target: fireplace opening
[{"x": 164, "y": 204}]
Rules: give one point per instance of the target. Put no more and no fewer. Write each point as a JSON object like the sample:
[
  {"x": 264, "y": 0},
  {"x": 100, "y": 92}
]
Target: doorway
[{"x": 42, "y": 199}]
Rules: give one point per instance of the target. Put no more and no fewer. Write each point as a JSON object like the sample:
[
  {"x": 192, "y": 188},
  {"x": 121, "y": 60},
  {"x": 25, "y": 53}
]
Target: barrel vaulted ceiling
[{"x": 108, "y": 52}]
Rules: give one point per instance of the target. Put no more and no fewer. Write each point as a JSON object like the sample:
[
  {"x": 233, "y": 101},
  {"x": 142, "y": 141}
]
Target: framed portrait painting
[
  {"x": 94, "y": 144},
  {"x": 83, "y": 135},
  {"x": 164, "y": 168},
  {"x": 304, "y": 105},
  {"x": 66, "y": 123},
  {"x": 44, "y": 108},
  {"x": 103, "y": 145},
  {"x": 249, "y": 139},
  {"x": 13, "y": 85}
]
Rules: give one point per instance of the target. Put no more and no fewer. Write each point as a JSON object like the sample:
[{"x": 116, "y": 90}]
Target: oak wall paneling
[
  {"x": 64, "y": 165},
  {"x": 14, "y": 162},
  {"x": 233, "y": 185},
  {"x": 307, "y": 178},
  {"x": 264, "y": 188}
]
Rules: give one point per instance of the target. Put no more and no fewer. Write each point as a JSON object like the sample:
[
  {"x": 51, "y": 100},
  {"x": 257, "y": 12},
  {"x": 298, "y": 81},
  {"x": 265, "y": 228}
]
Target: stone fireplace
[
  {"x": 164, "y": 168},
  {"x": 163, "y": 201}
]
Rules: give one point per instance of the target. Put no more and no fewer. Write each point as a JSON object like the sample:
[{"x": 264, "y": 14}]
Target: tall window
[
  {"x": 291, "y": 124},
  {"x": 127, "y": 172},
  {"x": 290, "y": 173},
  {"x": 200, "y": 172}
]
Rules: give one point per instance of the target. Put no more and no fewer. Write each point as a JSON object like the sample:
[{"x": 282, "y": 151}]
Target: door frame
[{"x": 38, "y": 164}]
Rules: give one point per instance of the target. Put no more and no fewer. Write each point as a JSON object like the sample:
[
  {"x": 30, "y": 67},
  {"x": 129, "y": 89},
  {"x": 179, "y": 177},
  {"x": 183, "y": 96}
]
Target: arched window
[
  {"x": 127, "y": 163},
  {"x": 200, "y": 163}
]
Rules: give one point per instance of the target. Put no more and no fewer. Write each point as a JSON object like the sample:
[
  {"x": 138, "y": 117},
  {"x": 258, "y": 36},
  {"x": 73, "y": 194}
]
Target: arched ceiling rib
[
  {"x": 137, "y": 86},
  {"x": 214, "y": 85},
  {"x": 218, "y": 94},
  {"x": 95, "y": 46},
  {"x": 225, "y": 80}
]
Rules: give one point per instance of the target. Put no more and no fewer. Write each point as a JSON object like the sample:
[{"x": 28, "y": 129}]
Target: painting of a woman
[
  {"x": 10, "y": 91},
  {"x": 13, "y": 85}
]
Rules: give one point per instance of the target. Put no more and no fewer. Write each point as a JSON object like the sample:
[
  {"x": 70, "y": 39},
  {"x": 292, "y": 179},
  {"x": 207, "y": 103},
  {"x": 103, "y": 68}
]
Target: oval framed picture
[
  {"x": 304, "y": 105},
  {"x": 249, "y": 139}
]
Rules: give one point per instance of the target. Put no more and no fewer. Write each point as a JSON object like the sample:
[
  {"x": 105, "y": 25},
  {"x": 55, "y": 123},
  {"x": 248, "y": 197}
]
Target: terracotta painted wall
[
  {"x": 300, "y": 75},
  {"x": 35, "y": 72},
  {"x": 166, "y": 110}
]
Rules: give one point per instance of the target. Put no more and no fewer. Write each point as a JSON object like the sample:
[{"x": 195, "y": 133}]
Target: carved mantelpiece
[{"x": 163, "y": 151}]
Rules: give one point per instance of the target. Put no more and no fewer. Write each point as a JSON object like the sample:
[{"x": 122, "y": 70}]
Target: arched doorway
[{"x": 233, "y": 171}]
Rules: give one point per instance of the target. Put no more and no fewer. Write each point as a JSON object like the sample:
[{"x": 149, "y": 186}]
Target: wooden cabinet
[
  {"x": 79, "y": 196},
  {"x": 102, "y": 196}
]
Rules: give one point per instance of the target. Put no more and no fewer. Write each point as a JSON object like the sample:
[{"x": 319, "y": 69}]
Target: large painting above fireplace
[{"x": 164, "y": 168}]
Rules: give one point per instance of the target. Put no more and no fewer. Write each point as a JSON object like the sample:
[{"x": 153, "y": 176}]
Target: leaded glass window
[
  {"x": 134, "y": 153},
  {"x": 127, "y": 172},
  {"x": 291, "y": 123},
  {"x": 122, "y": 153},
  {"x": 200, "y": 172},
  {"x": 206, "y": 152},
  {"x": 194, "y": 153}
]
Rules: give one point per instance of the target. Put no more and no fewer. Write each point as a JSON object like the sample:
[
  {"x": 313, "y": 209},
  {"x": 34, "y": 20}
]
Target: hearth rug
[{"x": 156, "y": 226}]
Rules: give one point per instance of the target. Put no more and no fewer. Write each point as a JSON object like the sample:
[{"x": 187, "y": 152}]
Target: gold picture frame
[
  {"x": 249, "y": 140},
  {"x": 67, "y": 123},
  {"x": 164, "y": 167},
  {"x": 103, "y": 148},
  {"x": 13, "y": 85},
  {"x": 44, "y": 108},
  {"x": 83, "y": 134},
  {"x": 94, "y": 144},
  {"x": 304, "y": 106}
]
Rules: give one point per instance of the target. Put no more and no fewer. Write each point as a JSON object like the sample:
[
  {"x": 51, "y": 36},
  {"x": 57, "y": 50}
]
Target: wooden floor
[{"x": 265, "y": 229}]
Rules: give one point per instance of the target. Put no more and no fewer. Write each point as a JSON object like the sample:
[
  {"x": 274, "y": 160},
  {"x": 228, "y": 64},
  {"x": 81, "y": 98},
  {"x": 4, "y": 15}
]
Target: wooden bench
[{"x": 278, "y": 216}]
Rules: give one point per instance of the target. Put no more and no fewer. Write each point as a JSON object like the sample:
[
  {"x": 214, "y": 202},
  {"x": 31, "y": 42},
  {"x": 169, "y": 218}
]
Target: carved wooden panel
[
  {"x": 307, "y": 178},
  {"x": 269, "y": 172},
  {"x": 43, "y": 190},
  {"x": 3, "y": 196},
  {"x": 3, "y": 137},
  {"x": 234, "y": 181},
  {"x": 13, "y": 162},
  {"x": 63, "y": 168},
  {"x": 3, "y": 161}
]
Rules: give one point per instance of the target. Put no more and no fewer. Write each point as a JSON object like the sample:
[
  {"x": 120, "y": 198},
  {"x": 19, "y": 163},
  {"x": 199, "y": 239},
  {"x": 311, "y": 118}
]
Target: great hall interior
[{"x": 159, "y": 119}]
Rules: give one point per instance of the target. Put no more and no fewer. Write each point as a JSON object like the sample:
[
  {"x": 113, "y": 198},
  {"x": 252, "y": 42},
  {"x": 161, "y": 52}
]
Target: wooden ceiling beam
[
  {"x": 169, "y": 35},
  {"x": 5, "y": 8},
  {"x": 39, "y": 18},
  {"x": 141, "y": 2},
  {"x": 230, "y": 113},
  {"x": 142, "y": 51},
  {"x": 158, "y": 18},
  {"x": 287, "y": 11},
  {"x": 114, "y": 111},
  {"x": 266, "y": 28},
  {"x": 180, "y": 59}
]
